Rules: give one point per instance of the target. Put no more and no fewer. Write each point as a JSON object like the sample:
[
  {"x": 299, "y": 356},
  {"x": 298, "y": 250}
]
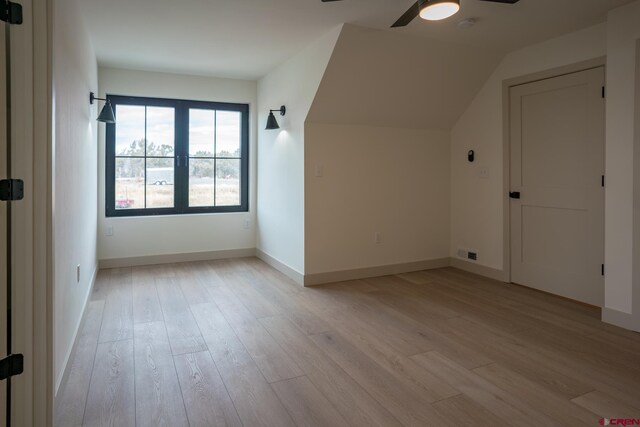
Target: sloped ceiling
[
  {"x": 381, "y": 79},
  {"x": 248, "y": 38}
]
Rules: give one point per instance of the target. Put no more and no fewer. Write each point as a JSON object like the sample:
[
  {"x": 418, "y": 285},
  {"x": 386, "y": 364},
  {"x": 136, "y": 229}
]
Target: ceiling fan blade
[
  {"x": 503, "y": 1},
  {"x": 409, "y": 15}
]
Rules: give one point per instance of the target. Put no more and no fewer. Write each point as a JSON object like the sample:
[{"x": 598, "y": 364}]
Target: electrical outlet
[
  {"x": 78, "y": 273},
  {"x": 247, "y": 224},
  {"x": 319, "y": 172},
  {"x": 108, "y": 231},
  {"x": 377, "y": 238},
  {"x": 483, "y": 173},
  {"x": 462, "y": 253}
]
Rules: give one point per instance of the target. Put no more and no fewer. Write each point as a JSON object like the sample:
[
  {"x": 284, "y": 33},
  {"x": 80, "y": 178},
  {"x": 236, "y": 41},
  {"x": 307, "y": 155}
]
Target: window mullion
[
  {"x": 244, "y": 160},
  {"x": 145, "y": 157},
  {"x": 183, "y": 150},
  {"x": 215, "y": 161}
]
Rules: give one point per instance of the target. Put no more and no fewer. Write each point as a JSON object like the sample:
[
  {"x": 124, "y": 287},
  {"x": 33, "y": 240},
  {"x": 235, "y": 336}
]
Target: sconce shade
[
  {"x": 106, "y": 115},
  {"x": 272, "y": 123}
]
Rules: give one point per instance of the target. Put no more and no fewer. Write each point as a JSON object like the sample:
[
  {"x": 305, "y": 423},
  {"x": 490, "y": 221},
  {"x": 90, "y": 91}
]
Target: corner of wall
[
  {"x": 477, "y": 213},
  {"x": 280, "y": 221},
  {"x": 622, "y": 279}
]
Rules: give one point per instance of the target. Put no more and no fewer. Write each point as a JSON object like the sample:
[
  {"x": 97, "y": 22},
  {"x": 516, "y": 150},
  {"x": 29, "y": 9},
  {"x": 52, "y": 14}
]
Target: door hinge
[
  {"x": 603, "y": 92},
  {"x": 11, "y": 189},
  {"x": 602, "y": 269},
  {"x": 603, "y": 180},
  {"x": 11, "y": 12},
  {"x": 11, "y": 366}
]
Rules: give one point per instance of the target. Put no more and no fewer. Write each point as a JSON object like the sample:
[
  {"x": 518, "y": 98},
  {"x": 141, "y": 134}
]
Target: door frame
[
  {"x": 32, "y": 293},
  {"x": 506, "y": 142}
]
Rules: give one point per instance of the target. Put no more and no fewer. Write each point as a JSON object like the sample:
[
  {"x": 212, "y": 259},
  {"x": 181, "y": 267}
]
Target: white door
[{"x": 557, "y": 166}]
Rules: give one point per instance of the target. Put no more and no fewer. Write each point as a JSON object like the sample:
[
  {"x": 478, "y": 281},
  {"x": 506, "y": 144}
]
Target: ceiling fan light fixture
[{"x": 436, "y": 10}]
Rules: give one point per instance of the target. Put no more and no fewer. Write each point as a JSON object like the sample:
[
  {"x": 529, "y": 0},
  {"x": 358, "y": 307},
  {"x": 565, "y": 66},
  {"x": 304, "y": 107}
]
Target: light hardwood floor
[{"x": 236, "y": 343}]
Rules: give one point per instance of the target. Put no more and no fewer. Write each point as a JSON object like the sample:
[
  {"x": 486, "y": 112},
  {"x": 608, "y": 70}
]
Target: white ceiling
[{"x": 247, "y": 38}]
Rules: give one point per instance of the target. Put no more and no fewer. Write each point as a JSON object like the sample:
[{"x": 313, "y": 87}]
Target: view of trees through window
[
  {"x": 214, "y": 157},
  {"x": 145, "y": 143},
  {"x": 145, "y": 157}
]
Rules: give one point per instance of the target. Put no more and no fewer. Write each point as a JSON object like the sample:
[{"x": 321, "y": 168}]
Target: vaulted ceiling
[
  {"x": 379, "y": 78},
  {"x": 247, "y": 38}
]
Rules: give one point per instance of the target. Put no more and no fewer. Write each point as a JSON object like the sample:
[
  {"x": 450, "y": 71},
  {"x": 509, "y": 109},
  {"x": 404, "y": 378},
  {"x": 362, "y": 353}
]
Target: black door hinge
[
  {"x": 11, "y": 366},
  {"x": 603, "y": 92},
  {"x": 11, "y": 189},
  {"x": 603, "y": 180},
  {"x": 11, "y": 12},
  {"x": 602, "y": 269}
]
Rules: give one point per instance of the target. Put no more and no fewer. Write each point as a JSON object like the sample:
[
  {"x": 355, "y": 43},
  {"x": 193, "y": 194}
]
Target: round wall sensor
[{"x": 466, "y": 23}]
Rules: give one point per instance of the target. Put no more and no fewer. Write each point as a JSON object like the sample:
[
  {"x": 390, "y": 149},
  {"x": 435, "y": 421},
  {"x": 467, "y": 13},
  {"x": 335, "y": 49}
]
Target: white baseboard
[
  {"x": 480, "y": 270},
  {"x": 359, "y": 273},
  {"x": 621, "y": 319},
  {"x": 173, "y": 258},
  {"x": 65, "y": 372},
  {"x": 281, "y": 267},
  {"x": 382, "y": 270}
]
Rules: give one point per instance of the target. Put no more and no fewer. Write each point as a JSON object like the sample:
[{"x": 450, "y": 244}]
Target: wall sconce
[
  {"x": 272, "y": 123},
  {"x": 106, "y": 115}
]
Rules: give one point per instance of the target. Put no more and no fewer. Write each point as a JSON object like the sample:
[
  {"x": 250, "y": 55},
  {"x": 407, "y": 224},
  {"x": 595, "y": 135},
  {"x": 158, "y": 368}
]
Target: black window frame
[{"x": 181, "y": 152}]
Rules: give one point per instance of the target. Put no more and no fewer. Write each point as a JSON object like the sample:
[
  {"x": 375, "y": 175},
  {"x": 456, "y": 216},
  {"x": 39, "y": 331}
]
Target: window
[{"x": 167, "y": 157}]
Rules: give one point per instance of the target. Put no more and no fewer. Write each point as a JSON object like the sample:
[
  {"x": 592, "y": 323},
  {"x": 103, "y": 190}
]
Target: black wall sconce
[
  {"x": 272, "y": 123},
  {"x": 106, "y": 115}
]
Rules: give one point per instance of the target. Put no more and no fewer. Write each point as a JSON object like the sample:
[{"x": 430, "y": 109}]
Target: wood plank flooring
[{"x": 236, "y": 343}]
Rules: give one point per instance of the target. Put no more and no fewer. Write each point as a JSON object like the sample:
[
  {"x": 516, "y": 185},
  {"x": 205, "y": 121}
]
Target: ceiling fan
[{"x": 432, "y": 10}]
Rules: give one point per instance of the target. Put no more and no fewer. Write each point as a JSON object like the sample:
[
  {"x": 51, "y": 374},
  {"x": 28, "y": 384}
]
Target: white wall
[
  {"x": 392, "y": 181},
  {"x": 623, "y": 30},
  {"x": 379, "y": 127},
  {"x": 280, "y": 232},
  {"x": 477, "y": 203},
  {"x": 174, "y": 234},
  {"x": 75, "y": 159}
]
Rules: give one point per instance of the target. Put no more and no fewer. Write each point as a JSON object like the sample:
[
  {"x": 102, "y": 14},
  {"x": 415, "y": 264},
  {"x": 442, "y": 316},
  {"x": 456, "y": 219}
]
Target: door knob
[{"x": 514, "y": 194}]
